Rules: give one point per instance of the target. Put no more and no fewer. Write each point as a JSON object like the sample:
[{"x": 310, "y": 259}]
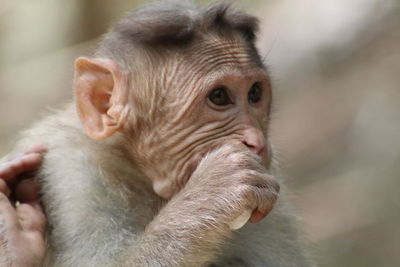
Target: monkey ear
[{"x": 101, "y": 94}]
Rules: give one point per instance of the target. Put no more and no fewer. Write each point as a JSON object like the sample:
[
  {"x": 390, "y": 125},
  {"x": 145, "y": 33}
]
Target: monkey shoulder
[{"x": 89, "y": 213}]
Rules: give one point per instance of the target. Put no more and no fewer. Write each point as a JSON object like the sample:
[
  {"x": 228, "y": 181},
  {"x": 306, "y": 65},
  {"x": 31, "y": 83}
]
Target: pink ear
[{"x": 101, "y": 94}]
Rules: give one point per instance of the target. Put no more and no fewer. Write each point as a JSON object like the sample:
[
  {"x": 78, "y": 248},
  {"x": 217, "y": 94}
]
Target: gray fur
[{"x": 102, "y": 209}]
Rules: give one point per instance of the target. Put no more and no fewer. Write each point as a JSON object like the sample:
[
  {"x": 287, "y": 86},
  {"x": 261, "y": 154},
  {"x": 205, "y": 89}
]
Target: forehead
[
  {"x": 210, "y": 59},
  {"x": 215, "y": 53}
]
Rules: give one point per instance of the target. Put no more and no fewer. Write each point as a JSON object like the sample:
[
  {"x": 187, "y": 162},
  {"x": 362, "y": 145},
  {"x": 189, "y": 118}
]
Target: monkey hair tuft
[{"x": 177, "y": 22}]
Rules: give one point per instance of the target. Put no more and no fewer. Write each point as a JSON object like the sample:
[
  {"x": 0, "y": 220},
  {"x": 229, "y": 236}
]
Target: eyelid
[
  {"x": 217, "y": 107},
  {"x": 260, "y": 86},
  {"x": 227, "y": 90}
]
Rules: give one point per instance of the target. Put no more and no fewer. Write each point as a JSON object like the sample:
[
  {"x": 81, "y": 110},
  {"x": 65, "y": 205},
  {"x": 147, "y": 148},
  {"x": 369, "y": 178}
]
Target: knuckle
[
  {"x": 25, "y": 207},
  {"x": 252, "y": 177},
  {"x": 246, "y": 196},
  {"x": 270, "y": 195},
  {"x": 264, "y": 200},
  {"x": 267, "y": 188},
  {"x": 31, "y": 219}
]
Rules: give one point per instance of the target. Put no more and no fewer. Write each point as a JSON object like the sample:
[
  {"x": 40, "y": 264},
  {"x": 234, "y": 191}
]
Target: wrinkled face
[{"x": 213, "y": 94}]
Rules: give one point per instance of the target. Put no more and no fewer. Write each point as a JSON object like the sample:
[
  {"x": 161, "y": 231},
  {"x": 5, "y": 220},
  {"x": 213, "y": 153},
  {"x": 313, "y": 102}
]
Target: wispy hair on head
[{"x": 176, "y": 22}]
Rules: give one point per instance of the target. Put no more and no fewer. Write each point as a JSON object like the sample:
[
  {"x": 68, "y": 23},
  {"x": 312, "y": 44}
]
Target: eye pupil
[
  {"x": 219, "y": 97},
  {"x": 254, "y": 94}
]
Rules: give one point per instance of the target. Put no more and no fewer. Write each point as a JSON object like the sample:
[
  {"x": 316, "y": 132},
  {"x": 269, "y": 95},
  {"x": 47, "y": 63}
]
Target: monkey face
[{"x": 214, "y": 94}]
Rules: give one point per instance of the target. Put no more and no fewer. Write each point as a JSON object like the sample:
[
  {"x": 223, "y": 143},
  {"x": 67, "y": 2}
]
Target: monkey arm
[
  {"x": 183, "y": 233},
  {"x": 190, "y": 229}
]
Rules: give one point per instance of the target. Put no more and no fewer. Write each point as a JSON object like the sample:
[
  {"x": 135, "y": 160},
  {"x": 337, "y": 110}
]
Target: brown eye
[
  {"x": 254, "y": 94},
  {"x": 219, "y": 97}
]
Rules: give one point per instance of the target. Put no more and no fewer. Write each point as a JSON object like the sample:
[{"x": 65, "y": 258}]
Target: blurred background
[{"x": 335, "y": 66}]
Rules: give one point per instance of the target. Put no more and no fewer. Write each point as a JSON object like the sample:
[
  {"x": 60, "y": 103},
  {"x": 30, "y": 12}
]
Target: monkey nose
[
  {"x": 258, "y": 149},
  {"x": 254, "y": 140}
]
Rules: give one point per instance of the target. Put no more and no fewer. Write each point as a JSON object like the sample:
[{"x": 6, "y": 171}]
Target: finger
[
  {"x": 37, "y": 205},
  {"x": 31, "y": 218},
  {"x": 36, "y": 148},
  {"x": 267, "y": 202},
  {"x": 8, "y": 213},
  {"x": 264, "y": 207},
  {"x": 29, "y": 162},
  {"x": 27, "y": 191},
  {"x": 257, "y": 216},
  {"x": 4, "y": 188},
  {"x": 37, "y": 240}
]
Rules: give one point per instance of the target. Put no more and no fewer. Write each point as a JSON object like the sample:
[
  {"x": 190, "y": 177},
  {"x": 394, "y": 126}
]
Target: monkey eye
[
  {"x": 254, "y": 94},
  {"x": 219, "y": 97}
]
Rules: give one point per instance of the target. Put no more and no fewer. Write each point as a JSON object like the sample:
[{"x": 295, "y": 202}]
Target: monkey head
[{"x": 177, "y": 95}]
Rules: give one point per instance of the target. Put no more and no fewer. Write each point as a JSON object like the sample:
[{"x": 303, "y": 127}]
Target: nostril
[
  {"x": 247, "y": 144},
  {"x": 256, "y": 149}
]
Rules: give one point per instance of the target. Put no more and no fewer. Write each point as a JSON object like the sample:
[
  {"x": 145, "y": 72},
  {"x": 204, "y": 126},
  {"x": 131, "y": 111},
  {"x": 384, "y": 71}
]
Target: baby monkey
[{"x": 164, "y": 152}]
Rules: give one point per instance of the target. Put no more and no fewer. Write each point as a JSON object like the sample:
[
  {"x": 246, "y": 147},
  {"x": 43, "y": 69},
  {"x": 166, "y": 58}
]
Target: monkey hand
[
  {"x": 21, "y": 227},
  {"x": 192, "y": 225},
  {"x": 16, "y": 173},
  {"x": 234, "y": 181}
]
